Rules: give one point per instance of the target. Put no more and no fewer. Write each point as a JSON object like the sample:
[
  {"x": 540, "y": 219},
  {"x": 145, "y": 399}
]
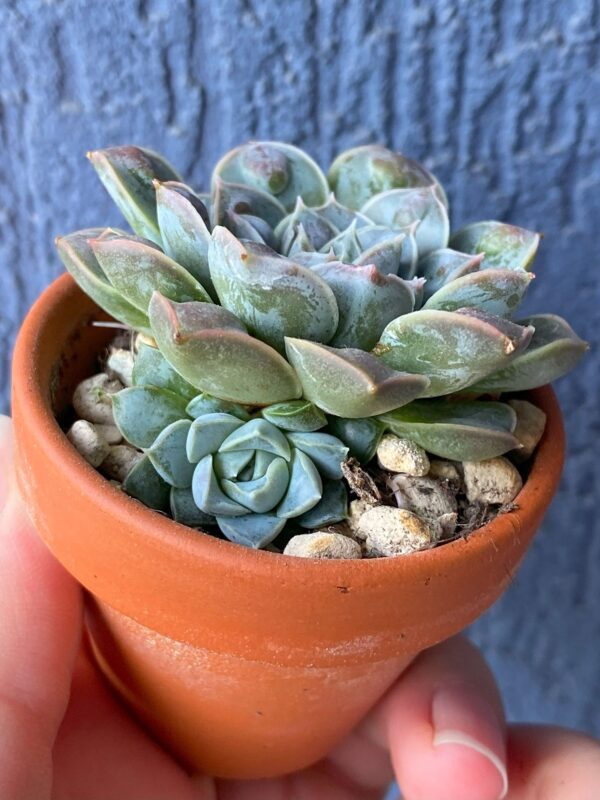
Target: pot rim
[{"x": 29, "y": 387}]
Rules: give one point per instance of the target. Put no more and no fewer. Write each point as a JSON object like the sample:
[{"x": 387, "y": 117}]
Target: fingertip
[
  {"x": 445, "y": 728},
  {"x": 448, "y": 764},
  {"x": 469, "y": 769}
]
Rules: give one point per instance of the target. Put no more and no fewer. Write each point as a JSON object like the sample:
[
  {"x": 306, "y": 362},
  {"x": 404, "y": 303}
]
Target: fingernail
[
  {"x": 462, "y": 718},
  {"x": 5, "y": 459}
]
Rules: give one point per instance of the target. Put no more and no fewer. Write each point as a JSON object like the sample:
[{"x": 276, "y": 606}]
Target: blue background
[{"x": 500, "y": 99}]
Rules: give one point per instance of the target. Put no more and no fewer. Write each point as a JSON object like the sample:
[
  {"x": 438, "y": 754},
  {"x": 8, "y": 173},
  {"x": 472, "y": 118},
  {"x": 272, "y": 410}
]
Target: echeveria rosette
[
  {"x": 254, "y": 477},
  {"x": 210, "y": 462},
  {"x": 306, "y": 306}
]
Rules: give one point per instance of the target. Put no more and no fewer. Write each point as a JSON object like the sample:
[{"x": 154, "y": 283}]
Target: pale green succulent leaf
[
  {"x": 185, "y": 511},
  {"x": 184, "y": 230},
  {"x": 168, "y": 455},
  {"x": 262, "y": 459},
  {"x": 142, "y": 412},
  {"x": 304, "y": 489},
  {"x": 495, "y": 291},
  {"x": 346, "y": 245},
  {"x": 325, "y": 451},
  {"x": 247, "y": 226},
  {"x": 128, "y": 173},
  {"x": 471, "y": 431},
  {"x": 444, "y": 265},
  {"x": 145, "y": 484},
  {"x": 230, "y": 465},
  {"x": 206, "y": 404},
  {"x": 280, "y": 169},
  {"x": 258, "y": 434},
  {"x": 150, "y": 368},
  {"x": 78, "y": 257},
  {"x": 358, "y": 174},
  {"x": 367, "y": 301},
  {"x": 208, "y": 494},
  {"x": 137, "y": 270},
  {"x": 251, "y": 530},
  {"x": 361, "y": 436},
  {"x": 209, "y": 347},
  {"x": 310, "y": 259},
  {"x": 401, "y": 207},
  {"x": 505, "y": 246},
  {"x": 272, "y": 295},
  {"x": 385, "y": 255},
  {"x": 348, "y": 382},
  {"x": 261, "y": 494},
  {"x": 316, "y": 228},
  {"x": 237, "y": 198},
  {"x": 555, "y": 349},
  {"x": 296, "y": 242},
  {"x": 331, "y": 508},
  {"x": 454, "y": 349},
  {"x": 295, "y": 415},
  {"x": 207, "y": 433},
  {"x": 339, "y": 215}
]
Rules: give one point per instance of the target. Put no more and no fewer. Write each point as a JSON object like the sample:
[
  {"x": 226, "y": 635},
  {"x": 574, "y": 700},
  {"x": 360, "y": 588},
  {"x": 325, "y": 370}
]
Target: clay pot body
[{"x": 245, "y": 664}]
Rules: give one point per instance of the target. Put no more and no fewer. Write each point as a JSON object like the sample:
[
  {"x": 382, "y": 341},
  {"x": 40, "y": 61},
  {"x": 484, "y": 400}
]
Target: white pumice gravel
[
  {"x": 495, "y": 481},
  {"x": 110, "y": 432},
  {"x": 89, "y": 442},
  {"x": 91, "y": 398},
  {"x": 444, "y": 470},
  {"x": 392, "y": 531},
  {"x": 402, "y": 455},
  {"x": 531, "y": 422},
  {"x": 119, "y": 461},
  {"x": 322, "y": 544},
  {"x": 356, "y": 509},
  {"x": 119, "y": 365},
  {"x": 428, "y": 499}
]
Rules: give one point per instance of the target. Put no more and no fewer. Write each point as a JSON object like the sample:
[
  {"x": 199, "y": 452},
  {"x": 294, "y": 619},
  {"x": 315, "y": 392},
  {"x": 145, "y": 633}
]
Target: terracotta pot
[{"x": 245, "y": 664}]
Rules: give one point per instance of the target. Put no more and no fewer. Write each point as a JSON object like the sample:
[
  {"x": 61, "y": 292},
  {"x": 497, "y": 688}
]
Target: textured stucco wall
[{"x": 500, "y": 98}]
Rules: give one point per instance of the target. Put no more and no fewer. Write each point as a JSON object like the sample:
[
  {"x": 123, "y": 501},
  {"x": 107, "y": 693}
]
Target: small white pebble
[
  {"x": 402, "y": 455},
  {"x": 427, "y": 498},
  {"x": 120, "y": 365},
  {"x": 322, "y": 544},
  {"x": 495, "y": 481},
  {"x": 91, "y": 398},
  {"x": 392, "y": 531},
  {"x": 447, "y": 525},
  {"x": 110, "y": 432},
  {"x": 89, "y": 442},
  {"x": 444, "y": 470},
  {"x": 531, "y": 422},
  {"x": 119, "y": 461},
  {"x": 355, "y": 511}
]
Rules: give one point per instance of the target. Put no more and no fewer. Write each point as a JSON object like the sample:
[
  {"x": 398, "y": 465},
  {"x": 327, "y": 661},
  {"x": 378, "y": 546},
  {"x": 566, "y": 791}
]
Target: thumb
[{"x": 40, "y": 623}]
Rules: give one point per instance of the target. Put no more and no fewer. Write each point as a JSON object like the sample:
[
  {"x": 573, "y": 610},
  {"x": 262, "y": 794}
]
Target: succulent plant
[{"x": 295, "y": 318}]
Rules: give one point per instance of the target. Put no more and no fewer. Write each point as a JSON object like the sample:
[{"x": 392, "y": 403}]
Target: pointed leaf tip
[
  {"x": 127, "y": 173},
  {"x": 348, "y": 382},
  {"x": 210, "y": 348}
]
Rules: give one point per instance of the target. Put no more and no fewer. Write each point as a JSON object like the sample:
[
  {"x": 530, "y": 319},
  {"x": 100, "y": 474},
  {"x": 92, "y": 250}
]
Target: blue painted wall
[{"x": 500, "y": 99}]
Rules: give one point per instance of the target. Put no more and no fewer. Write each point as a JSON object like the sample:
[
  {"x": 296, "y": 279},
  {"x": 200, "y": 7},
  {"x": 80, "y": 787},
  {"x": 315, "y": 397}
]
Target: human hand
[{"x": 439, "y": 731}]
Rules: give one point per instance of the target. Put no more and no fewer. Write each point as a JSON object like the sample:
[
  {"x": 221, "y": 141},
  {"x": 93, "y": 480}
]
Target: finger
[
  {"x": 40, "y": 622},
  {"x": 552, "y": 763},
  {"x": 101, "y": 752},
  {"x": 442, "y": 728}
]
